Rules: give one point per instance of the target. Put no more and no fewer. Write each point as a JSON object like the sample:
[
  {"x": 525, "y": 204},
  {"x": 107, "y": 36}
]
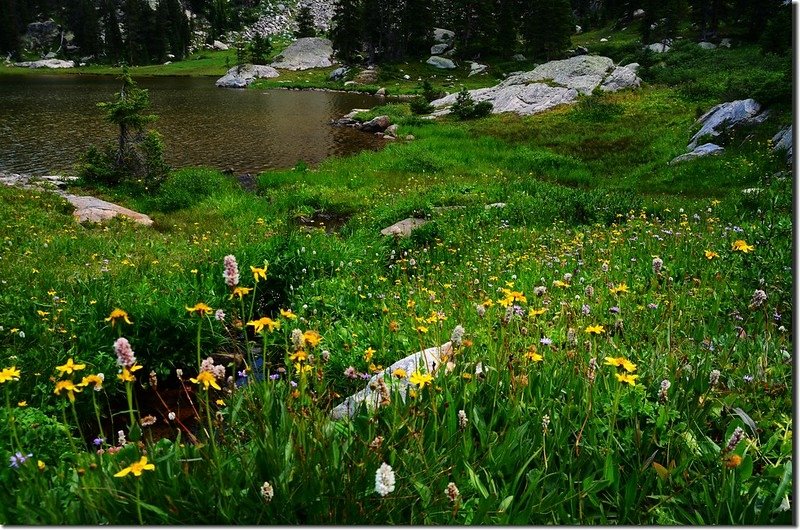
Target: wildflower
[
  {"x": 559, "y": 283},
  {"x": 614, "y": 309},
  {"x": 258, "y": 325},
  {"x": 652, "y": 306},
  {"x": 118, "y": 314},
  {"x": 598, "y": 329},
  {"x": 462, "y": 419},
  {"x": 67, "y": 386},
  {"x": 219, "y": 315},
  {"x": 422, "y": 329},
  {"x": 713, "y": 378},
  {"x": 22, "y": 404},
  {"x": 604, "y": 266},
  {"x": 748, "y": 378},
  {"x": 9, "y": 374},
  {"x": 18, "y": 459},
  {"x": 658, "y": 263},
  {"x": 546, "y": 341},
  {"x": 662, "y": 393},
  {"x": 207, "y": 379},
  {"x": 457, "y": 336},
  {"x": 126, "y": 375},
  {"x": 136, "y": 468},
  {"x": 384, "y": 480},
  {"x": 299, "y": 355},
  {"x": 297, "y": 339},
  {"x": 621, "y": 288},
  {"x": 259, "y": 273},
  {"x": 312, "y": 338},
  {"x": 326, "y": 356},
  {"x": 287, "y": 313},
  {"x": 567, "y": 277},
  {"x": 200, "y": 308},
  {"x": 536, "y": 312},
  {"x": 171, "y": 416},
  {"x": 591, "y": 371},
  {"x": 545, "y": 423},
  {"x": 241, "y": 292},
  {"x": 480, "y": 309},
  {"x": 733, "y": 441},
  {"x": 589, "y": 291},
  {"x": 399, "y": 373},
  {"x": 710, "y": 254},
  {"x": 350, "y": 372},
  {"x": 98, "y": 441},
  {"x": 148, "y": 420},
  {"x": 627, "y": 378},
  {"x": 585, "y": 309},
  {"x": 532, "y": 355},
  {"x": 124, "y": 352},
  {"x": 572, "y": 338},
  {"x": 121, "y": 438},
  {"x": 40, "y": 465},
  {"x": 267, "y": 493},
  {"x": 376, "y": 443},
  {"x": 740, "y": 245},
  {"x": 231, "y": 271},
  {"x": 733, "y": 461},
  {"x": 539, "y": 290},
  {"x": 96, "y": 380},
  {"x": 69, "y": 367},
  {"x": 759, "y": 297},
  {"x": 452, "y": 492},
  {"x": 420, "y": 379}
]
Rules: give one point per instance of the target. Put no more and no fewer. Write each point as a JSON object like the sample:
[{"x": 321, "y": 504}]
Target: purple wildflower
[
  {"x": 614, "y": 309},
  {"x": 231, "y": 272},
  {"x": 652, "y": 306},
  {"x": 546, "y": 341},
  {"x": 98, "y": 441},
  {"x": 586, "y": 309},
  {"x": 748, "y": 378},
  {"x": 124, "y": 352},
  {"x": 18, "y": 459}
]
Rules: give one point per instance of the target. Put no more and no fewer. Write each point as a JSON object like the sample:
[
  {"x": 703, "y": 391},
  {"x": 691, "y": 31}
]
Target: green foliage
[
  {"x": 430, "y": 93},
  {"x": 420, "y": 105},
  {"x": 547, "y": 26},
  {"x": 465, "y": 107},
  {"x": 305, "y": 23},
  {"x": 260, "y": 48},
  {"x": 187, "y": 187}
]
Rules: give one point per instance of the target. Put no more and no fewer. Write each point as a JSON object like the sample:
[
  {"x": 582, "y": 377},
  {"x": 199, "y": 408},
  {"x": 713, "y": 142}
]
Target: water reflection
[{"x": 46, "y": 122}]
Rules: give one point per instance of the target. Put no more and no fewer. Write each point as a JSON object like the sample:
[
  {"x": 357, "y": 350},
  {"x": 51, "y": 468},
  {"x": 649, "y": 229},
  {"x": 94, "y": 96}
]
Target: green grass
[{"x": 590, "y": 201}]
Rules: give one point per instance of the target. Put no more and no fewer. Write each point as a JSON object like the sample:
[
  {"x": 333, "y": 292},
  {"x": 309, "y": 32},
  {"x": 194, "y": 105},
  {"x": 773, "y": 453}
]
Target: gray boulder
[
  {"x": 438, "y": 49},
  {"x": 375, "y": 125},
  {"x": 699, "y": 151},
  {"x": 443, "y": 35},
  {"x": 658, "y": 47},
  {"x": 338, "y": 74},
  {"x": 380, "y": 92},
  {"x": 403, "y": 228},
  {"x": 429, "y": 360},
  {"x": 246, "y": 75},
  {"x": 46, "y": 63},
  {"x": 550, "y": 84},
  {"x": 726, "y": 116},
  {"x": 580, "y": 50},
  {"x": 634, "y": 67},
  {"x": 42, "y": 35},
  {"x": 518, "y": 57},
  {"x": 783, "y": 141},
  {"x": 440, "y": 62},
  {"x": 306, "y": 53},
  {"x": 621, "y": 78},
  {"x": 639, "y": 13},
  {"x": 707, "y": 45},
  {"x": 219, "y": 46},
  {"x": 725, "y": 43},
  {"x": 476, "y": 69}
]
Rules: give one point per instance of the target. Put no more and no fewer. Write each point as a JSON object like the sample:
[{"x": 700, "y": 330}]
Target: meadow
[{"x": 621, "y": 329}]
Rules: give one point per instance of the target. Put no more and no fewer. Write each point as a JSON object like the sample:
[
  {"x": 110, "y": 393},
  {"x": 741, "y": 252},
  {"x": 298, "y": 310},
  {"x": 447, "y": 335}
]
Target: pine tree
[
  {"x": 346, "y": 29},
  {"x": 305, "y": 23},
  {"x": 260, "y": 48},
  {"x": 136, "y": 31},
  {"x": 547, "y": 27},
  {"x": 418, "y": 27},
  {"x": 219, "y": 18},
  {"x": 9, "y": 27}
]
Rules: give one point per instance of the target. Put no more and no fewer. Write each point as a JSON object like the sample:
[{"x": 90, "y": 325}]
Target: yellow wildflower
[
  {"x": 69, "y": 367},
  {"x": 136, "y": 468},
  {"x": 733, "y": 461},
  {"x": 40, "y": 465},
  {"x": 740, "y": 245},
  {"x": 9, "y": 374},
  {"x": 94, "y": 379},
  {"x": 312, "y": 338},
  {"x": 67, "y": 386},
  {"x": 533, "y": 355},
  {"x": 537, "y": 312},
  {"x": 302, "y": 369},
  {"x": 399, "y": 373},
  {"x": 559, "y": 283},
  {"x": 258, "y": 325},
  {"x": 595, "y": 329},
  {"x": 259, "y": 272},
  {"x": 287, "y": 313},
  {"x": 207, "y": 379},
  {"x": 118, "y": 314},
  {"x": 627, "y": 378},
  {"x": 241, "y": 292},
  {"x": 422, "y": 329},
  {"x": 22, "y": 404},
  {"x": 299, "y": 355},
  {"x": 126, "y": 376},
  {"x": 621, "y": 288},
  {"x": 710, "y": 254},
  {"x": 420, "y": 379},
  {"x": 368, "y": 354},
  {"x": 200, "y": 308}
]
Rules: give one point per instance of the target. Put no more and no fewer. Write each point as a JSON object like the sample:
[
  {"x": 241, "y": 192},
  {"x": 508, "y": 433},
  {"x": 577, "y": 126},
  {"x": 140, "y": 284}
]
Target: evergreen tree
[
  {"x": 260, "y": 48},
  {"x": 506, "y": 36},
  {"x": 346, "y": 29},
  {"x": 219, "y": 18},
  {"x": 175, "y": 26},
  {"x": 136, "y": 31},
  {"x": 418, "y": 27},
  {"x": 547, "y": 26},
  {"x": 84, "y": 21},
  {"x": 9, "y": 27},
  {"x": 305, "y": 23},
  {"x": 114, "y": 47}
]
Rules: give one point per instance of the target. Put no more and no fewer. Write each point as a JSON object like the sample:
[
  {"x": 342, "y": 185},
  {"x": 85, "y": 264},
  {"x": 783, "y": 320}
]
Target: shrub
[
  {"x": 465, "y": 108},
  {"x": 187, "y": 187},
  {"x": 430, "y": 93},
  {"x": 420, "y": 105}
]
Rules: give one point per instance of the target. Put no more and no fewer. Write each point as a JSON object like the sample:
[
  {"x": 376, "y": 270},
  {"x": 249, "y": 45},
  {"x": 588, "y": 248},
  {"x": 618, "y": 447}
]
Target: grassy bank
[{"x": 606, "y": 274}]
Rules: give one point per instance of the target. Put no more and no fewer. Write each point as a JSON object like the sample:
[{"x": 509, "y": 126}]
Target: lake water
[{"x": 48, "y": 121}]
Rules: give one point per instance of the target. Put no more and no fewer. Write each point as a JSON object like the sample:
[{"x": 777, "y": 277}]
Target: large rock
[
  {"x": 403, "y": 228},
  {"x": 620, "y": 78},
  {"x": 443, "y": 35},
  {"x": 42, "y": 35},
  {"x": 306, "y": 53},
  {"x": 376, "y": 124},
  {"x": 338, "y": 74},
  {"x": 550, "y": 84},
  {"x": 783, "y": 141},
  {"x": 440, "y": 62},
  {"x": 219, "y": 46},
  {"x": 658, "y": 47},
  {"x": 46, "y": 63},
  {"x": 699, "y": 151},
  {"x": 707, "y": 45},
  {"x": 429, "y": 360},
  {"x": 246, "y": 75},
  {"x": 367, "y": 76},
  {"x": 438, "y": 49},
  {"x": 476, "y": 69},
  {"x": 726, "y": 116},
  {"x": 94, "y": 210}
]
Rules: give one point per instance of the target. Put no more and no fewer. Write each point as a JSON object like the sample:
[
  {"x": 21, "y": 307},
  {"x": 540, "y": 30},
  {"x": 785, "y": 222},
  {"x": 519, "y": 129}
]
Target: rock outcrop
[
  {"x": 550, "y": 84},
  {"x": 783, "y": 141},
  {"x": 430, "y": 359},
  {"x": 699, "y": 151},
  {"x": 245, "y": 75},
  {"x": 41, "y": 36},
  {"x": 443, "y": 35},
  {"x": 476, "y": 69},
  {"x": 403, "y": 228},
  {"x": 441, "y": 62},
  {"x": 727, "y": 116},
  {"x": 659, "y": 47},
  {"x": 306, "y": 53},
  {"x": 46, "y": 63}
]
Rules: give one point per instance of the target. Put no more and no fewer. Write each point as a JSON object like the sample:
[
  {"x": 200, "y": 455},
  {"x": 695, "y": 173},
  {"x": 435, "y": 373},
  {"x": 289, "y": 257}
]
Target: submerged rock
[
  {"x": 306, "y": 53},
  {"x": 246, "y": 75},
  {"x": 550, "y": 84}
]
